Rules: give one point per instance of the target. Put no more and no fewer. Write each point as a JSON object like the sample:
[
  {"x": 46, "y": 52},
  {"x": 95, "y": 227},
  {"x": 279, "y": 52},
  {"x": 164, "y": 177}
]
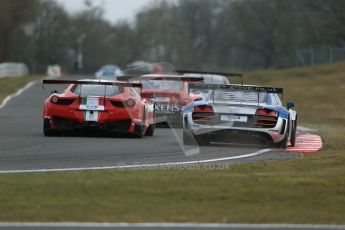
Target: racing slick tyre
[
  {"x": 139, "y": 129},
  {"x": 203, "y": 140},
  {"x": 284, "y": 143},
  {"x": 151, "y": 129},
  {"x": 293, "y": 133},
  {"x": 47, "y": 131},
  {"x": 188, "y": 138}
]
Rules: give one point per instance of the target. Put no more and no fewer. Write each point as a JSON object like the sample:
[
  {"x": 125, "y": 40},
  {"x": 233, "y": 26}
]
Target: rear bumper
[
  {"x": 71, "y": 119},
  {"x": 231, "y": 131},
  {"x": 172, "y": 118},
  {"x": 61, "y": 124}
]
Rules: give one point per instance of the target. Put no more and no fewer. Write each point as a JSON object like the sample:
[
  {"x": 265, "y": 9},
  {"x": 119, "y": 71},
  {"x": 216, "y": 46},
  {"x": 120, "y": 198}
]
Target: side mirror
[
  {"x": 290, "y": 105},
  {"x": 53, "y": 91}
]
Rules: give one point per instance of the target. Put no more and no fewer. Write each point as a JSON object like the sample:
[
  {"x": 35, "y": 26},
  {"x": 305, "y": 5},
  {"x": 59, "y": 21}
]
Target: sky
[{"x": 115, "y": 10}]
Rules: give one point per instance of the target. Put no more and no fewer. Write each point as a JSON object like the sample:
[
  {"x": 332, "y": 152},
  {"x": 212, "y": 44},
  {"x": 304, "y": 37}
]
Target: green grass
[
  {"x": 10, "y": 85},
  {"x": 309, "y": 189},
  {"x": 285, "y": 192},
  {"x": 318, "y": 92}
]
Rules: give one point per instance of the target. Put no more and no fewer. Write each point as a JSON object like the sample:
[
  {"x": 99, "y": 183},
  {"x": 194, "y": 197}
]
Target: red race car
[
  {"x": 169, "y": 92},
  {"x": 111, "y": 106}
]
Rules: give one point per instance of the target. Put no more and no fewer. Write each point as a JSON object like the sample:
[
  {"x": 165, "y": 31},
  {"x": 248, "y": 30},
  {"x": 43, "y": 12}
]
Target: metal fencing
[{"x": 319, "y": 55}]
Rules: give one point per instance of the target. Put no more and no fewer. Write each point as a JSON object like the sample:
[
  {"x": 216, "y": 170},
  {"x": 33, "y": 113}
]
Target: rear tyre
[
  {"x": 203, "y": 140},
  {"x": 151, "y": 129},
  {"x": 293, "y": 133},
  {"x": 284, "y": 143},
  {"x": 47, "y": 130},
  {"x": 139, "y": 129},
  {"x": 188, "y": 138}
]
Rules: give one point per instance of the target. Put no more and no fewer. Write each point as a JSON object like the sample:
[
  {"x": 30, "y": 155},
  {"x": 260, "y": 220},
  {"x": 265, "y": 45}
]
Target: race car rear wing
[
  {"x": 89, "y": 82},
  {"x": 208, "y": 72},
  {"x": 248, "y": 88},
  {"x": 92, "y": 82},
  {"x": 236, "y": 87},
  {"x": 160, "y": 77}
]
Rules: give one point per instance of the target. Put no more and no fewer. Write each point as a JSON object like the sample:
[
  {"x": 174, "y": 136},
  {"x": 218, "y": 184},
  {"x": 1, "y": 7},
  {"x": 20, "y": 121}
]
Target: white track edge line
[
  {"x": 18, "y": 93},
  {"x": 166, "y": 225},
  {"x": 154, "y": 165}
]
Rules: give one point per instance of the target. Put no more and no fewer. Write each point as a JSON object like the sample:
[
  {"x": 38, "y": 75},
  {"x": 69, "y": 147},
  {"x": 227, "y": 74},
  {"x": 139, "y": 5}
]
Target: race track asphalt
[{"x": 24, "y": 147}]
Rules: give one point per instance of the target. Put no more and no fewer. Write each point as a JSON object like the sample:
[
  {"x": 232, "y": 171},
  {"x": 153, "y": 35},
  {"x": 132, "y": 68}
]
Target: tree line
[{"x": 192, "y": 34}]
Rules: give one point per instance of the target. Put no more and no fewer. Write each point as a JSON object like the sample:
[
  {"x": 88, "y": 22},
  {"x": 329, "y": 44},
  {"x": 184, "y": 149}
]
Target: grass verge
[
  {"x": 309, "y": 189},
  {"x": 10, "y": 85}
]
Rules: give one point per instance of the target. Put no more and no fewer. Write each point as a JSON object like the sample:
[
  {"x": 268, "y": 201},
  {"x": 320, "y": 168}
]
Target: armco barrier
[{"x": 13, "y": 70}]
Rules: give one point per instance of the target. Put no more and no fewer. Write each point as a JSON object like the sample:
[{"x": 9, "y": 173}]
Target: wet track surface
[{"x": 24, "y": 147}]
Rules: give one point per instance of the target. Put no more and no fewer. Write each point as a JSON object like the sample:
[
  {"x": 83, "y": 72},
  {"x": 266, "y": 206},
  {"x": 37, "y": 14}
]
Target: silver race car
[{"x": 239, "y": 113}]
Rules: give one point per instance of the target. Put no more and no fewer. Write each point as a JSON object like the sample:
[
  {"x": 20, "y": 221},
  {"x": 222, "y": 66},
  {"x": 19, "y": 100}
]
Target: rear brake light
[
  {"x": 62, "y": 101},
  {"x": 54, "y": 99},
  {"x": 203, "y": 108},
  {"x": 266, "y": 112}
]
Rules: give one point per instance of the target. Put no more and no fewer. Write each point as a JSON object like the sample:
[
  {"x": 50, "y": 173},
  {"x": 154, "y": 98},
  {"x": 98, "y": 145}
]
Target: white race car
[{"x": 232, "y": 113}]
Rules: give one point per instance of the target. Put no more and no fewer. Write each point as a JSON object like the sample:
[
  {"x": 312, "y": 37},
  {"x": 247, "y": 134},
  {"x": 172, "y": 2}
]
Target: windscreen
[
  {"x": 97, "y": 90},
  {"x": 228, "y": 96},
  {"x": 208, "y": 79}
]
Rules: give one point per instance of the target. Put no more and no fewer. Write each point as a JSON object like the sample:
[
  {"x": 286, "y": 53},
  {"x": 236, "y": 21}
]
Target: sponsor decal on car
[{"x": 167, "y": 107}]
